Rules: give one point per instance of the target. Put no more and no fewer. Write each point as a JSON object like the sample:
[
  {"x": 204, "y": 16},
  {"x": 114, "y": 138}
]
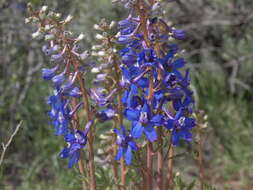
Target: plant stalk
[
  {"x": 120, "y": 118},
  {"x": 90, "y": 134},
  {"x": 200, "y": 158},
  {"x": 160, "y": 160},
  {"x": 76, "y": 125},
  {"x": 170, "y": 169}
]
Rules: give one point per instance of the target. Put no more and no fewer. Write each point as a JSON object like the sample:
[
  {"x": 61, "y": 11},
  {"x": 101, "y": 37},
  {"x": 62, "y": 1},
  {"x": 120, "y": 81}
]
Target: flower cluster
[
  {"x": 63, "y": 75},
  {"x": 156, "y": 91},
  {"x": 76, "y": 141},
  {"x": 146, "y": 82}
]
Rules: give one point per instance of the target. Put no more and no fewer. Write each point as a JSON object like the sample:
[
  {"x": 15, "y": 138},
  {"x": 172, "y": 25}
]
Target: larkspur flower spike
[
  {"x": 63, "y": 77},
  {"x": 165, "y": 101}
]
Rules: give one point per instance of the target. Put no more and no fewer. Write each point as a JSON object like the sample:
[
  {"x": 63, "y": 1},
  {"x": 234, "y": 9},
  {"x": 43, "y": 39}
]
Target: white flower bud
[
  {"x": 94, "y": 53},
  {"x": 80, "y": 37},
  {"x": 100, "y": 151},
  {"x": 95, "y": 70},
  {"x": 96, "y": 27},
  {"x": 27, "y": 20},
  {"x": 48, "y": 27},
  {"x": 36, "y": 34},
  {"x": 101, "y": 53},
  {"x": 99, "y": 37},
  {"x": 102, "y": 136},
  {"x": 117, "y": 35},
  {"x": 96, "y": 47},
  {"x": 49, "y": 37},
  {"x": 112, "y": 24},
  {"x": 58, "y": 15},
  {"x": 43, "y": 9},
  {"x": 68, "y": 19}
]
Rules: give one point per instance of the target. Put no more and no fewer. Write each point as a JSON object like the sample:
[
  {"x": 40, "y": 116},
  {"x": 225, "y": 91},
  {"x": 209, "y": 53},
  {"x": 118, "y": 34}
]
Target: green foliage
[{"x": 181, "y": 185}]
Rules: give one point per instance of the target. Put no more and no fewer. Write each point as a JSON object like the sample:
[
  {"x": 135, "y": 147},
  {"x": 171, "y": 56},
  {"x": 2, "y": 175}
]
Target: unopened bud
[
  {"x": 36, "y": 34},
  {"x": 80, "y": 37},
  {"x": 94, "y": 53},
  {"x": 58, "y": 15},
  {"x": 28, "y": 20},
  {"x": 101, "y": 53},
  {"x": 95, "y": 70},
  {"x": 48, "y": 27},
  {"x": 49, "y": 37},
  {"x": 117, "y": 35},
  {"x": 97, "y": 27},
  {"x": 96, "y": 47},
  {"x": 43, "y": 9},
  {"x": 99, "y": 37},
  {"x": 112, "y": 24},
  {"x": 68, "y": 19}
]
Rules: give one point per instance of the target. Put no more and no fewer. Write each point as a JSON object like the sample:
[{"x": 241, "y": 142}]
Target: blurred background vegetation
[{"x": 219, "y": 48}]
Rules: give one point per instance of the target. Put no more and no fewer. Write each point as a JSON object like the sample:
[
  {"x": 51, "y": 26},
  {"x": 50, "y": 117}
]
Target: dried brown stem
[{"x": 5, "y": 146}]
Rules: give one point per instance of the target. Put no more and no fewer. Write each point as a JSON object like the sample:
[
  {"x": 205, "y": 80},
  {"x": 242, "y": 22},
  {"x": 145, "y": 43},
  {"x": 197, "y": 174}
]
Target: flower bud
[
  {"x": 101, "y": 53},
  {"x": 43, "y": 9},
  {"x": 36, "y": 34},
  {"x": 94, "y": 53},
  {"x": 80, "y": 37},
  {"x": 96, "y": 47},
  {"x": 99, "y": 37},
  {"x": 48, "y": 27},
  {"x": 49, "y": 37},
  {"x": 112, "y": 24},
  {"x": 95, "y": 70},
  {"x": 97, "y": 27},
  {"x": 28, "y": 20},
  {"x": 68, "y": 19}
]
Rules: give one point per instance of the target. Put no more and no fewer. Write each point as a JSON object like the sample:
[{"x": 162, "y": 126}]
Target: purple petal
[
  {"x": 137, "y": 130},
  {"x": 128, "y": 155},
  {"x": 150, "y": 133},
  {"x": 119, "y": 154},
  {"x": 74, "y": 159},
  {"x": 132, "y": 114}
]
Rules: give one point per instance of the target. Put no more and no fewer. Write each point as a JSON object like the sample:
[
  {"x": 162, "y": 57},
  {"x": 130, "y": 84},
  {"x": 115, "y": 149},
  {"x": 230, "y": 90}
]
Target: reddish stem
[
  {"x": 76, "y": 125},
  {"x": 149, "y": 167},
  {"x": 160, "y": 160},
  {"x": 170, "y": 169}
]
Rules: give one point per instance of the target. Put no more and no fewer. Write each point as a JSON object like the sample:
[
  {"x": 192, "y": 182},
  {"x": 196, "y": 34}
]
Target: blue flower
[
  {"x": 60, "y": 114},
  {"x": 178, "y": 34},
  {"x": 106, "y": 114},
  {"x": 181, "y": 127},
  {"x": 59, "y": 79},
  {"x": 48, "y": 74},
  {"x": 76, "y": 141},
  {"x": 100, "y": 97},
  {"x": 126, "y": 145},
  {"x": 144, "y": 122}
]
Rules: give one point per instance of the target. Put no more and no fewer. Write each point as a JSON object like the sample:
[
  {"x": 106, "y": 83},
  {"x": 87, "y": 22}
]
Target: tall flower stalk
[
  {"x": 157, "y": 96},
  {"x": 68, "y": 85}
]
